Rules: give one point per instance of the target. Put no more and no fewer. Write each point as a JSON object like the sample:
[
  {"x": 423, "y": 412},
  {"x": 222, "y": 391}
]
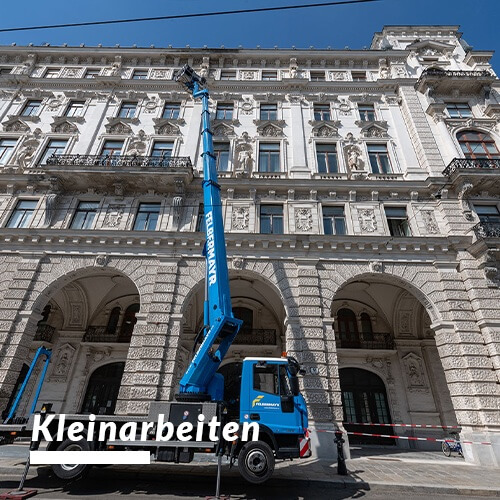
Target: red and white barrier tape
[{"x": 419, "y": 426}]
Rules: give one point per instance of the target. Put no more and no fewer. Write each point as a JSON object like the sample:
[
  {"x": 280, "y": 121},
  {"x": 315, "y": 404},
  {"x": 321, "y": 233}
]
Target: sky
[{"x": 335, "y": 26}]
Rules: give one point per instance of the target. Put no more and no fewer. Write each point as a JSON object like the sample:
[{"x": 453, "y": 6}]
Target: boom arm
[{"x": 220, "y": 325}]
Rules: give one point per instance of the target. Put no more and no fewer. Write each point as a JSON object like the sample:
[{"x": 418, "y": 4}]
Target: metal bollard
[{"x": 341, "y": 466}]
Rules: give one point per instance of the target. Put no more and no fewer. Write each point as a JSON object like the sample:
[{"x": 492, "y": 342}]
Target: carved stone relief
[
  {"x": 414, "y": 370},
  {"x": 119, "y": 128},
  {"x": 62, "y": 365},
  {"x": 338, "y": 75},
  {"x": 114, "y": 215},
  {"x": 240, "y": 218},
  {"x": 430, "y": 222},
  {"x": 248, "y": 75},
  {"x": 247, "y": 106},
  {"x": 367, "y": 220},
  {"x": 303, "y": 219}
]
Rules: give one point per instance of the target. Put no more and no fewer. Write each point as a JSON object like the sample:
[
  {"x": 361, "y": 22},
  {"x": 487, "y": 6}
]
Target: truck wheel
[
  {"x": 71, "y": 471},
  {"x": 256, "y": 462}
]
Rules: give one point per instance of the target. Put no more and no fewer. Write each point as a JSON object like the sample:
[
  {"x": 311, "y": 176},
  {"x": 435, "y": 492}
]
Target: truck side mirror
[{"x": 294, "y": 385}]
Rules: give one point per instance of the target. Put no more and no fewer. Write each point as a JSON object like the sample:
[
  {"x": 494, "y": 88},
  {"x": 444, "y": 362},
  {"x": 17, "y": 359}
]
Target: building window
[
  {"x": 458, "y": 110},
  {"x": 358, "y": 76},
  {"x": 92, "y": 72},
  {"x": 269, "y": 157},
  {"x": 147, "y": 217},
  {"x": 271, "y": 219},
  {"x": 54, "y": 147},
  {"x": 6, "y": 148},
  {"x": 326, "y": 156},
  {"x": 334, "y": 220},
  {"x": 226, "y": 74},
  {"x": 111, "y": 148},
  {"x": 322, "y": 112},
  {"x": 31, "y": 108},
  {"x": 348, "y": 326},
  {"x": 22, "y": 214},
  {"x": 140, "y": 74},
  {"x": 477, "y": 145},
  {"x": 75, "y": 108},
  {"x": 114, "y": 317},
  {"x": 367, "y": 112},
  {"x": 379, "y": 158},
  {"x": 5, "y": 71},
  {"x": 52, "y": 73},
  {"x": 317, "y": 76},
  {"x": 488, "y": 213},
  {"x": 200, "y": 219},
  {"x": 84, "y": 215},
  {"x": 366, "y": 326},
  {"x": 127, "y": 110},
  {"x": 162, "y": 152},
  {"x": 268, "y": 111},
  {"x": 221, "y": 152},
  {"x": 397, "y": 221},
  {"x": 224, "y": 111},
  {"x": 171, "y": 111},
  {"x": 270, "y": 76}
]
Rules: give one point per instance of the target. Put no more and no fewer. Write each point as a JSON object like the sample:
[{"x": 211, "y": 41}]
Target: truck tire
[
  {"x": 71, "y": 471},
  {"x": 256, "y": 462}
]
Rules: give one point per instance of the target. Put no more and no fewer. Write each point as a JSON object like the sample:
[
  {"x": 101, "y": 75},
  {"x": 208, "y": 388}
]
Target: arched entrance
[
  {"x": 102, "y": 389},
  {"x": 364, "y": 400}
]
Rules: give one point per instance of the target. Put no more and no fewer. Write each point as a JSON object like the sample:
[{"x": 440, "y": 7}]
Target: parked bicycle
[{"x": 452, "y": 445}]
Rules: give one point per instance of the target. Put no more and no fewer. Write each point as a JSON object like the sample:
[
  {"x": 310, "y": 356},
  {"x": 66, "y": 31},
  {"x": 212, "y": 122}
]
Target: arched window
[
  {"x": 477, "y": 145},
  {"x": 246, "y": 315},
  {"x": 366, "y": 327},
  {"x": 114, "y": 317},
  {"x": 348, "y": 328},
  {"x": 129, "y": 321},
  {"x": 45, "y": 314}
]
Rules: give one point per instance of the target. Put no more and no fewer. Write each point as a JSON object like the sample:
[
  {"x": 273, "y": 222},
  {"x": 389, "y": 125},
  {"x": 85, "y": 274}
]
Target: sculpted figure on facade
[{"x": 367, "y": 220}]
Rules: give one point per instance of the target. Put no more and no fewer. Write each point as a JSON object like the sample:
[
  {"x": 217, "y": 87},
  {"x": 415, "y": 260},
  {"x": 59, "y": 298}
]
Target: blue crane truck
[{"x": 269, "y": 389}]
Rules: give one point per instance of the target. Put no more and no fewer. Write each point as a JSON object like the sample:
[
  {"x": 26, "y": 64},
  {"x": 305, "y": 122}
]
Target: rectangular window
[
  {"x": 326, "y": 155},
  {"x": 31, "y": 108},
  {"x": 379, "y": 158},
  {"x": 271, "y": 219},
  {"x": 147, "y": 217},
  {"x": 224, "y": 111},
  {"x": 265, "y": 379},
  {"x": 54, "y": 147},
  {"x": 268, "y": 111},
  {"x": 397, "y": 221},
  {"x": 6, "y": 148},
  {"x": 269, "y": 157},
  {"x": 140, "y": 74},
  {"x": 367, "y": 112},
  {"x": 162, "y": 152},
  {"x": 221, "y": 152},
  {"x": 92, "y": 72},
  {"x": 5, "y": 71},
  {"x": 22, "y": 214},
  {"x": 317, "y": 76},
  {"x": 334, "y": 220},
  {"x": 75, "y": 108},
  {"x": 358, "y": 76},
  {"x": 459, "y": 110},
  {"x": 127, "y": 110},
  {"x": 84, "y": 215},
  {"x": 322, "y": 112},
  {"x": 200, "y": 220},
  {"x": 488, "y": 213},
  {"x": 52, "y": 73},
  {"x": 270, "y": 76},
  {"x": 171, "y": 111},
  {"x": 226, "y": 74},
  {"x": 112, "y": 148}
]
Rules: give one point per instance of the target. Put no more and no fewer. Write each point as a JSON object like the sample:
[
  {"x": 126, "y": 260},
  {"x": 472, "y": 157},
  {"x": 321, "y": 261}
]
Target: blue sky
[{"x": 337, "y": 26}]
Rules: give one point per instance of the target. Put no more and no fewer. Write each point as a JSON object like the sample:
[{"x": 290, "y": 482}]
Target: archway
[
  {"x": 102, "y": 389},
  {"x": 364, "y": 400}
]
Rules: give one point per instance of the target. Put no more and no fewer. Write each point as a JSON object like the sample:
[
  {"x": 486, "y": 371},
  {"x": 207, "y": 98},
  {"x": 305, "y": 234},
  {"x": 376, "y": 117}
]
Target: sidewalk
[{"x": 412, "y": 472}]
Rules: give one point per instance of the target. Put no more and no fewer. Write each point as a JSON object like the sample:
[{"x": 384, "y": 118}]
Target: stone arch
[{"x": 471, "y": 126}]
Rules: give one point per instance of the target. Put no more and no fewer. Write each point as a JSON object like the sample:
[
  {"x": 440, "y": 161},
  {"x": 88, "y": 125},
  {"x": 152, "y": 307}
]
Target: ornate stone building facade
[{"x": 361, "y": 204}]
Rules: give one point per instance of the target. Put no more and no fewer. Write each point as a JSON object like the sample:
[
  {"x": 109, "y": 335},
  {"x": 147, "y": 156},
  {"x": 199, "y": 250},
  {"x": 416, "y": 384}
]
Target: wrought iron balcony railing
[
  {"x": 365, "y": 341},
  {"x": 487, "y": 230},
  {"x": 112, "y": 161},
  {"x": 44, "y": 333},
  {"x": 455, "y": 73},
  {"x": 101, "y": 334},
  {"x": 471, "y": 163},
  {"x": 255, "y": 337}
]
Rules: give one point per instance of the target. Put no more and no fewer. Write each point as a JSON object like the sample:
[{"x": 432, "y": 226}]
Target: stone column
[{"x": 298, "y": 168}]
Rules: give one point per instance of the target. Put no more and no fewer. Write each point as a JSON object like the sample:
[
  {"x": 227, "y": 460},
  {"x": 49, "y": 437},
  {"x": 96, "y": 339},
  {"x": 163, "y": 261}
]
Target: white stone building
[{"x": 361, "y": 203}]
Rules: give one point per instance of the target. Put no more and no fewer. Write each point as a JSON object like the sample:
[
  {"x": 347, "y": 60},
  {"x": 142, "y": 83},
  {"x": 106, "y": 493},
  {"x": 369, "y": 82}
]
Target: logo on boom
[{"x": 211, "y": 264}]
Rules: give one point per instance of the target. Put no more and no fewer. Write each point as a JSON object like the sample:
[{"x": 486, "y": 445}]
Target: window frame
[
  {"x": 91, "y": 73},
  {"x": 336, "y": 155},
  {"x": 318, "y": 114},
  {"x": 266, "y": 73},
  {"x": 69, "y": 107},
  {"x": 228, "y": 74},
  {"x": 173, "y": 108},
  {"x": 484, "y": 218},
  {"x": 123, "y": 105},
  {"x": 224, "y": 108},
  {"x": 280, "y": 157},
  {"x": 389, "y": 160},
  {"x": 267, "y": 205},
  {"x": 406, "y": 219},
  {"x": 54, "y": 72},
  {"x": 457, "y": 105},
  {"x": 269, "y": 112},
  {"x": 14, "y": 146},
  {"x": 364, "y": 114},
  {"x": 472, "y": 155},
  {"x": 333, "y": 220},
  {"x": 317, "y": 75},
  {"x": 27, "y": 104},
  {"x": 104, "y": 140},
  {"x": 77, "y": 211},
  {"x": 144, "y": 74},
  {"x": 218, "y": 156},
  {"x": 359, "y": 76},
  {"x": 42, "y": 157},
  {"x": 29, "y": 220},
  {"x": 138, "y": 211}
]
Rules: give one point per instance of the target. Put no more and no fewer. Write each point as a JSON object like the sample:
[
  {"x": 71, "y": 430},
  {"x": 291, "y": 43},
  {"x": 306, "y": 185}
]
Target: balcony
[
  {"x": 443, "y": 81},
  {"x": 255, "y": 337},
  {"x": 366, "y": 341},
  {"x": 473, "y": 170},
  {"x": 487, "y": 230},
  {"x": 101, "y": 334},
  {"x": 77, "y": 172},
  {"x": 44, "y": 333},
  {"x": 470, "y": 164}
]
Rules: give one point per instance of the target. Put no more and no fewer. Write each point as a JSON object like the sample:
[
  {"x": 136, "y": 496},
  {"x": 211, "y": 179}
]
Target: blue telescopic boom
[{"x": 221, "y": 326}]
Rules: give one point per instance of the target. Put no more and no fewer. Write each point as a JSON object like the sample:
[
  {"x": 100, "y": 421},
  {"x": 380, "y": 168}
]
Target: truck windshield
[{"x": 272, "y": 379}]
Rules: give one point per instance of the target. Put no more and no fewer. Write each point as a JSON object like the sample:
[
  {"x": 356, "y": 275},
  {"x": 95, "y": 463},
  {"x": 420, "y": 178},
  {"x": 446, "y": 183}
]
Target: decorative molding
[
  {"x": 303, "y": 219},
  {"x": 367, "y": 220},
  {"x": 240, "y": 218}
]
